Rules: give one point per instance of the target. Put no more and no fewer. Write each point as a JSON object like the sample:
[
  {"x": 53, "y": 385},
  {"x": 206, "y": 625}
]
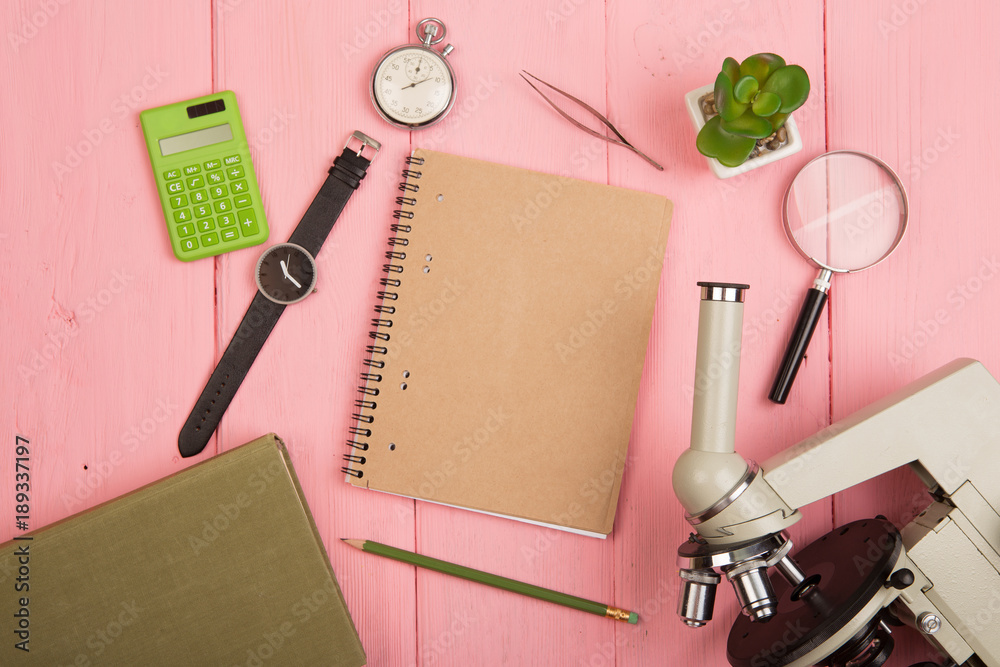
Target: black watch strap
[{"x": 345, "y": 176}]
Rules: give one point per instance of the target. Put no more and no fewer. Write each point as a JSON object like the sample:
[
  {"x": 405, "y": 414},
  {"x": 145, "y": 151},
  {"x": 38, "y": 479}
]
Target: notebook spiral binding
[{"x": 370, "y": 375}]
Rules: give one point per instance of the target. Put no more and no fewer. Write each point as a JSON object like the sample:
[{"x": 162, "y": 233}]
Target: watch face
[
  {"x": 286, "y": 273},
  {"x": 413, "y": 86}
]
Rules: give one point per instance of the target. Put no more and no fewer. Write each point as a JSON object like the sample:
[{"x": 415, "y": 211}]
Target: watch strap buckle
[{"x": 365, "y": 141}]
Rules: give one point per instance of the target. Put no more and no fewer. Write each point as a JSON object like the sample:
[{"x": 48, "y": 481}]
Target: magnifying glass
[{"x": 845, "y": 211}]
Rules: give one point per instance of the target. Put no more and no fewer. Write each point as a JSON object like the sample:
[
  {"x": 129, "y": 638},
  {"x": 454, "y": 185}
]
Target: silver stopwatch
[{"x": 413, "y": 86}]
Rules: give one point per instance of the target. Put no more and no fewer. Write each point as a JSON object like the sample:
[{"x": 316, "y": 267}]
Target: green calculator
[{"x": 201, "y": 162}]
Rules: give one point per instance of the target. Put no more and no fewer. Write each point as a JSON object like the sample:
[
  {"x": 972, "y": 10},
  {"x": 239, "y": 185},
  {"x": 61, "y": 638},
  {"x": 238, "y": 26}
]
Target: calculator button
[
  {"x": 199, "y": 196},
  {"x": 202, "y": 211},
  {"x": 176, "y": 186},
  {"x": 227, "y": 219},
  {"x": 196, "y": 182},
  {"x": 213, "y": 164},
  {"x": 171, "y": 174},
  {"x": 235, "y": 172},
  {"x": 178, "y": 200},
  {"x": 218, "y": 191},
  {"x": 223, "y": 205},
  {"x": 191, "y": 169},
  {"x": 189, "y": 244},
  {"x": 229, "y": 235},
  {"x": 209, "y": 239},
  {"x": 185, "y": 230},
  {"x": 240, "y": 187},
  {"x": 215, "y": 177},
  {"x": 242, "y": 201},
  {"x": 206, "y": 225},
  {"x": 232, "y": 159},
  {"x": 182, "y": 216},
  {"x": 248, "y": 223}
]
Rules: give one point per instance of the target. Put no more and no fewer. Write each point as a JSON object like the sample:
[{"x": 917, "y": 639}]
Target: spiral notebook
[{"x": 508, "y": 344}]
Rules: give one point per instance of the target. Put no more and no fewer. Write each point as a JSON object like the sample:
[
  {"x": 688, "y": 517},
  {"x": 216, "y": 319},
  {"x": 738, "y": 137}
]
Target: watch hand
[
  {"x": 284, "y": 269},
  {"x": 413, "y": 84}
]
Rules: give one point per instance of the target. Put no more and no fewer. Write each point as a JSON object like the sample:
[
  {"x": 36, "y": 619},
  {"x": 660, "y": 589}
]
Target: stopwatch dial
[{"x": 413, "y": 86}]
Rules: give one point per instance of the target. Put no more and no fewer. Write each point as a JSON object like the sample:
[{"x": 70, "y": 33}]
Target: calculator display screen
[{"x": 196, "y": 139}]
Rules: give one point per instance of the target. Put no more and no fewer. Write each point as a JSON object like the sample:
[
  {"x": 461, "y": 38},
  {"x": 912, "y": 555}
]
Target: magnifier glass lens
[{"x": 844, "y": 211}]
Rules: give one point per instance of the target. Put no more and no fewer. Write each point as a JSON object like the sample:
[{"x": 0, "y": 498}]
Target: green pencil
[{"x": 494, "y": 580}]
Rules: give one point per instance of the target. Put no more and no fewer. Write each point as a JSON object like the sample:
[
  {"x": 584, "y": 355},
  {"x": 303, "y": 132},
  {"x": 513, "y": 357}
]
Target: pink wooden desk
[{"x": 108, "y": 339}]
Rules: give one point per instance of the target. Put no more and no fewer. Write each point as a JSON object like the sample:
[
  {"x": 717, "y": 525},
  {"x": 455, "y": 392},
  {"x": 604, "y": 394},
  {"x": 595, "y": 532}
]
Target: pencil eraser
[{"x": 633, "y": 618}]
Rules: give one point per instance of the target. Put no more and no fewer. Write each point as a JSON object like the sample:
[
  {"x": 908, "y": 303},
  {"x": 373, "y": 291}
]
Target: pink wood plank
[
  {"x": 103, "y": 370},
  {"x": 725, "y": 231},
  {"x": 300, "y": 73},
  {"x": 102, "y": 323},
  {"x": 895, "y": 72},
  {"x": 498, "y": 117}
]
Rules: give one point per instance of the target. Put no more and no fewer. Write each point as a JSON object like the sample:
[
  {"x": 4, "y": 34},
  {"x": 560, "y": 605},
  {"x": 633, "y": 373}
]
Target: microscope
[{"x": 835, "y": 601}]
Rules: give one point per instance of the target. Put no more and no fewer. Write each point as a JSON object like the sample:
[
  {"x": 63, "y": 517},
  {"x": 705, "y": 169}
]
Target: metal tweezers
[{"x": 621, "y": 141}]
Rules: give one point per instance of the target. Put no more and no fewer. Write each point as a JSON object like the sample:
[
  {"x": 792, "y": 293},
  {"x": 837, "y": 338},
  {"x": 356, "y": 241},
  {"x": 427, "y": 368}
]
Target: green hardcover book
[{"x": 220, "y": 564}]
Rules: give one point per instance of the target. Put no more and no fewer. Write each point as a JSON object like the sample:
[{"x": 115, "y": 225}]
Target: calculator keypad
[{"x": 211, "y": 203}]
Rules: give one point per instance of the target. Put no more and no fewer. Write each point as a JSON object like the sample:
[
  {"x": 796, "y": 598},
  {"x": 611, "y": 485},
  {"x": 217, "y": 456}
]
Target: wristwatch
[{"x": 285, "y": 274}]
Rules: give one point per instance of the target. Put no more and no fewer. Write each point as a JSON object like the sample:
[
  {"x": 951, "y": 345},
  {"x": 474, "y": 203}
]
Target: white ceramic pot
[{"x": 793, "y": 146}]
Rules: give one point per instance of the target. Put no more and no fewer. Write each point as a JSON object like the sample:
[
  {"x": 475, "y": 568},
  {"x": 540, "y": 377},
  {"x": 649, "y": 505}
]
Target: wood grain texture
[{"x": 108, "y": 339}]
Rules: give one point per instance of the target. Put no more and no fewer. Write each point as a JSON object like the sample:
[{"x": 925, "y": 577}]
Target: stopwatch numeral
[
  {"x": 418, "y": 110},
  {"x": 387, "y": 91},
  {"x": 406, "y": 109},
  {"x": 395, "y": 66},
  {"x": 394, "y": 102},
  {"x": 388, "y": 78}
]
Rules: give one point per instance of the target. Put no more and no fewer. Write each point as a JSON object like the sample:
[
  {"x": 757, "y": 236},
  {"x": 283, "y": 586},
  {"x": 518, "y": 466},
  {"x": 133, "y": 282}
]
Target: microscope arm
[{"x": 946, "y": 425}]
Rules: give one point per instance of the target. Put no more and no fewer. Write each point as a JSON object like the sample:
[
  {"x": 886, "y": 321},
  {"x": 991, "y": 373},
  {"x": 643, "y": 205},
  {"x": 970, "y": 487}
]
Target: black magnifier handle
[{"x": 804, "y": 327}]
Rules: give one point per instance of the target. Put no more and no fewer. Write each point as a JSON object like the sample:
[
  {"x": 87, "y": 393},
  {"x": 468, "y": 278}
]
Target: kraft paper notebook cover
[
  {"x": 219, "y": 564},
  {"x": 508, "y": 344}
]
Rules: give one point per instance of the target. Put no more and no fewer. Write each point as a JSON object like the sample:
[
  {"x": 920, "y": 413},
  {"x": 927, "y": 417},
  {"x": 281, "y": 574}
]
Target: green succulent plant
[{"x": 753, "y": 99}]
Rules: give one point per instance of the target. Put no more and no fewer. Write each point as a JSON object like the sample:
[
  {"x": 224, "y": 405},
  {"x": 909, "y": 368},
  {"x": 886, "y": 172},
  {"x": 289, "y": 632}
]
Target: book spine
[{"x": 364, "y": 419}]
